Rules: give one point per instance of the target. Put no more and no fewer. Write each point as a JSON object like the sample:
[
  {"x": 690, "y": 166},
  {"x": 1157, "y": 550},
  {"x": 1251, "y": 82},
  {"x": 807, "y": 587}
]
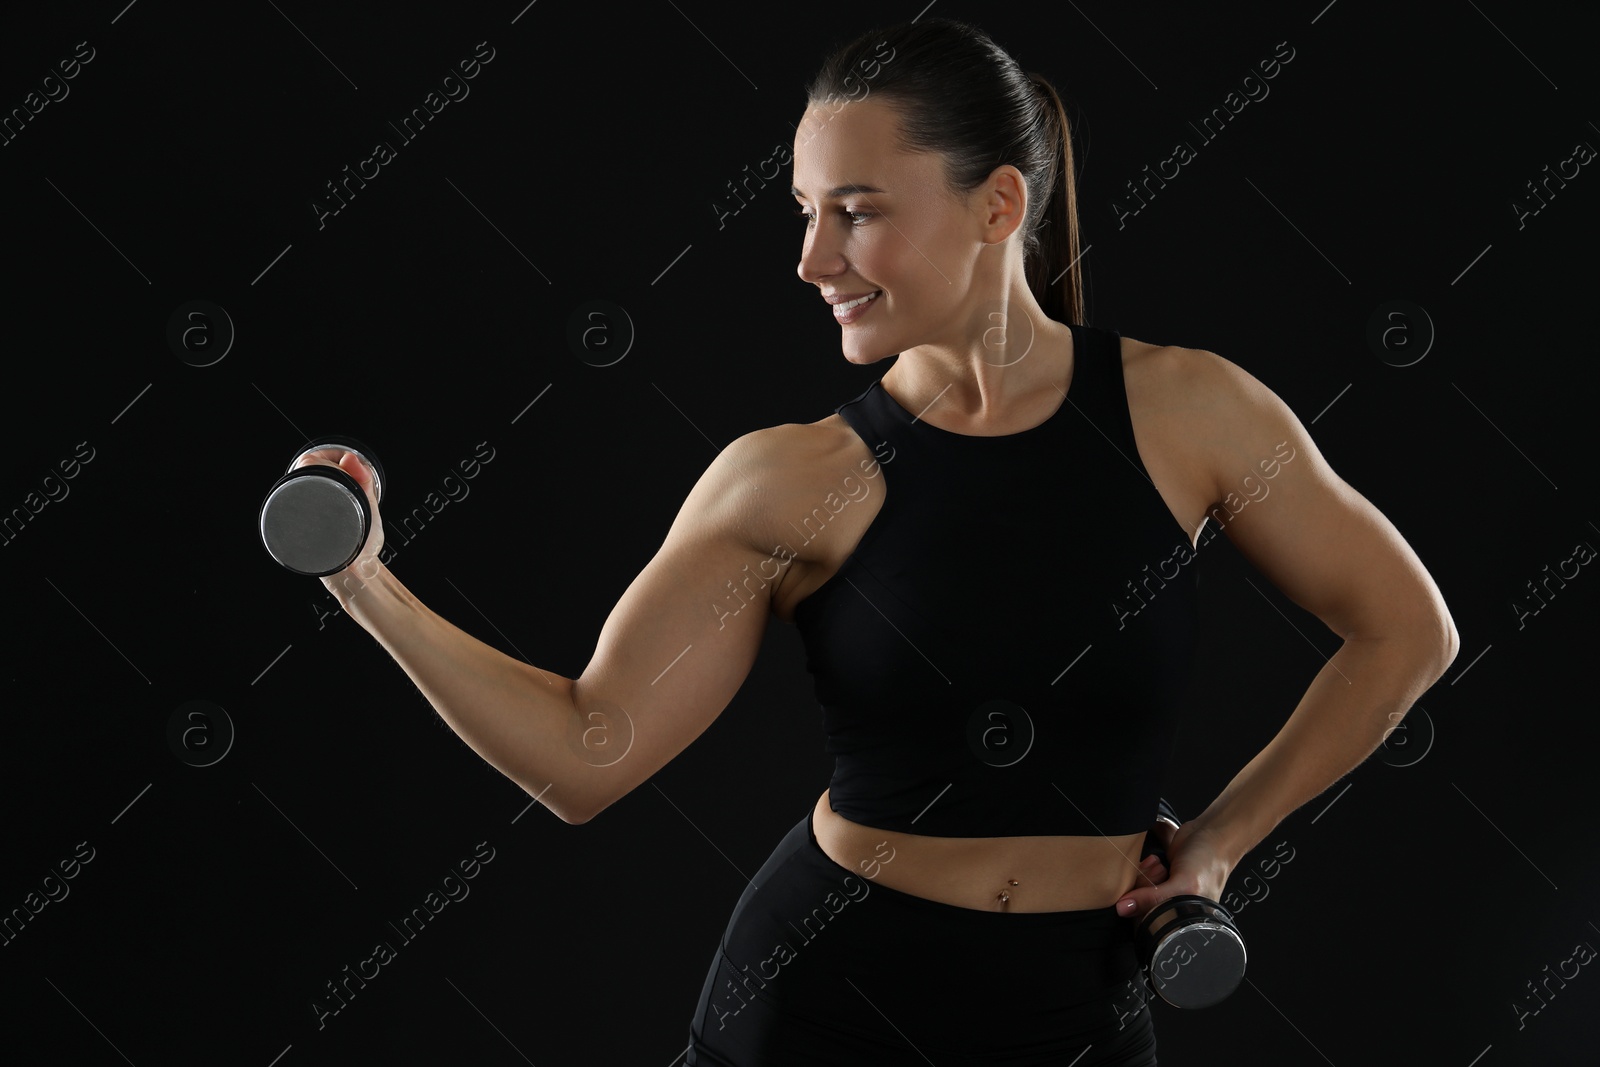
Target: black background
[{"x": 431, "y": 312}]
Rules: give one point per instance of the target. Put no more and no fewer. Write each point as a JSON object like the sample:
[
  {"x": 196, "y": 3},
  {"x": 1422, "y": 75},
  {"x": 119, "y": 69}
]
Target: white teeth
[{"x": 855, "y": 303}]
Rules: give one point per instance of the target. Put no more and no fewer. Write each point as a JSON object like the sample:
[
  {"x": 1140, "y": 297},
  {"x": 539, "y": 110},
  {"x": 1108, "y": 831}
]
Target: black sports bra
[{"x": 1004, "y": 652}]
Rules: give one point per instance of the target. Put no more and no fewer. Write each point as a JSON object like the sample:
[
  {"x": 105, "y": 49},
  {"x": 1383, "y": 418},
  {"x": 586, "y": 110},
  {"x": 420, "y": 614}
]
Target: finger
[
  {"x": 349, "y": 462},
  {"x": 1134, "y": 903},
  {"x": 319, "y": 455},
  {"x": 1137, "y": 903}
]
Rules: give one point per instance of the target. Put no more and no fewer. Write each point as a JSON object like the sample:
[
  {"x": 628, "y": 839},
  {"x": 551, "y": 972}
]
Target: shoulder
[
  {"x": 1220, "y": 413},
  {"x": 1193, "y": 379},
  {"x": 1244, "y": 431},
  {"x": 1168, "y": 386},
  {"x": 759, "y": 477},
  {"x": 790, "y": 449},
  {"x": 1164, "y": 365},
  {"x": 1203, "y": 375}
]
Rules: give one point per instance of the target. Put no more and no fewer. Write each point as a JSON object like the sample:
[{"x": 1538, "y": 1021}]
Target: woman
[{"x": 998, "y": 641}]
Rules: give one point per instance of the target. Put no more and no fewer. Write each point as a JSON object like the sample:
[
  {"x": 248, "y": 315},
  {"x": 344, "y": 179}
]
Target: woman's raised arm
[{"x": 673, "y": 652}]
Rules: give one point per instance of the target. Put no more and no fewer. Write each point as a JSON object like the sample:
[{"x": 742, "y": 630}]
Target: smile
[{"x": 854, "y": 309}]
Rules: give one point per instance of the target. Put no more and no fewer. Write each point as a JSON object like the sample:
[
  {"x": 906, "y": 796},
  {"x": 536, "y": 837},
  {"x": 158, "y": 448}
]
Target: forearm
[
  {"x": 520, "y": 719},
  {"x": 1363, "y": 690}
]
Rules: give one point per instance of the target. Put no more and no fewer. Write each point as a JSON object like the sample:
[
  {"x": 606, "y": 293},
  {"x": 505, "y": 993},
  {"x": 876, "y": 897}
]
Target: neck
[{"x": 1002, "y": 362}]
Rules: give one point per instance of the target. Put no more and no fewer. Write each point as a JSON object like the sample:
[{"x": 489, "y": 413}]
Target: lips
[
  {"x": 850, "y": 309},
  {"x": 843, "y": 298}
]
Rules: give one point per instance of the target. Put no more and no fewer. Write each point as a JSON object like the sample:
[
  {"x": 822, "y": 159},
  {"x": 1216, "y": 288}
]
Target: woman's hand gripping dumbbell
[
  {"x": 1187, "y": 943},
  {"x": 321, "y": 517}
]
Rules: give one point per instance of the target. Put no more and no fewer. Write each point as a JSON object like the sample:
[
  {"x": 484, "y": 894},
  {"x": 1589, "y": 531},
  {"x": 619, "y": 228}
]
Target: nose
[{"x": 820, "y": 255}]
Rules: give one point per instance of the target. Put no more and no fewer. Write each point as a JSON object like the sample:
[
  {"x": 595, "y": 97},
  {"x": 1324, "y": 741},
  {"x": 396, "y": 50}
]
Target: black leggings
[{"x": 822, "y": 965}]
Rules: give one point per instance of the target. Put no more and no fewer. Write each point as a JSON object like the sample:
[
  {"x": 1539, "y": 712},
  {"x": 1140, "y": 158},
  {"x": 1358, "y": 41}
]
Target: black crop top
[{"x": 1004, "y": 652}]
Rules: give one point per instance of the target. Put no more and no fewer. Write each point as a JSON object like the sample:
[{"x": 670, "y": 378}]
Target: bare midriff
[{"x": 1006, "y": 874}]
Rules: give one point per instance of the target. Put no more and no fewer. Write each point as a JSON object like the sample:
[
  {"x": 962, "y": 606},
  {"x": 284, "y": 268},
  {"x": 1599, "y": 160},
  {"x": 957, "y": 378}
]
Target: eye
[{"x": 854, "y": 215}]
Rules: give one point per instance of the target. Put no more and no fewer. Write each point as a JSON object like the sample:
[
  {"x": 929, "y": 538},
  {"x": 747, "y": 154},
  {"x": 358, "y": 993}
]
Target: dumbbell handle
[{"x": 1153, "y": 845}]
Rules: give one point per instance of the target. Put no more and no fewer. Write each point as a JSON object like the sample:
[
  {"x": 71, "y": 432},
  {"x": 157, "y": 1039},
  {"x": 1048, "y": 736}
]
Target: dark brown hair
[{"x": 959, "y": 93}]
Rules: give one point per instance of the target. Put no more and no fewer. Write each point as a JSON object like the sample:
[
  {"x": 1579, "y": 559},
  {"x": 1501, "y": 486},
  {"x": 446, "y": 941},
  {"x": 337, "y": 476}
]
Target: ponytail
[{"x": 1054, "y": 271}]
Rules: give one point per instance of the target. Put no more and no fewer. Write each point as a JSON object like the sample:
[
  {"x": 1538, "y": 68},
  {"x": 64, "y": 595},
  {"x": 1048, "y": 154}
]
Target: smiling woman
[
  {"x": 938, "y": 213},
  {"x": 940, "y": 226},
  {"x": 1038, "y": 462}
]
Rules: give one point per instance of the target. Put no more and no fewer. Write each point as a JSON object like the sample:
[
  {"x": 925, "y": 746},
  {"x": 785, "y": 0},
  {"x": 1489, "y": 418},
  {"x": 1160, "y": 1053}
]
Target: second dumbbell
[{"x": 1188, "y": 945}]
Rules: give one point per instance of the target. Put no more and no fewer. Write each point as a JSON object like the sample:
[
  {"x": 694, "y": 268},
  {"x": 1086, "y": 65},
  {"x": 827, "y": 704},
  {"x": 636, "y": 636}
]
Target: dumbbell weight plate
[
  {"x": 315, "y": 520},
  {"x": 1192, "y": 951}
]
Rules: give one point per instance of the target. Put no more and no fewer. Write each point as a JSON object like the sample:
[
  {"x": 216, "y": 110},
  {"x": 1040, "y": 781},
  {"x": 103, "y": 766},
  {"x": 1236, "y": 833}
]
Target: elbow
[
  {"x": 1434, "y": 617},
  {"x": 1452, "y": 642},
  {"x": 573, "y": 812},
  {"x": 1428, "y": 633},
  {"x": 584, "y": 806},
  {"x": 1449, "y": 641},
  {"x": 1436, "y": 655},
  {"x": 570, "y": 816},
  {"x": 580, "y": 809},
  {"x": 579, "y": 816}
]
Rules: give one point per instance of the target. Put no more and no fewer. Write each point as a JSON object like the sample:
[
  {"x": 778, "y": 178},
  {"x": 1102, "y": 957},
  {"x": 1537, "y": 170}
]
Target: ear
[{"x": 1002, "y": 203}]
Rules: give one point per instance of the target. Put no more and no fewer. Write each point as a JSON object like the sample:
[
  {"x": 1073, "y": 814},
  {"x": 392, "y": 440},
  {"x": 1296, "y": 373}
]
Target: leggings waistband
[{"x": 819, "y": 964}]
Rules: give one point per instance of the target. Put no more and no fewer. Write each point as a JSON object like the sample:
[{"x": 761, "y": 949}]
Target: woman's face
[{"x": 880, "y": 219}]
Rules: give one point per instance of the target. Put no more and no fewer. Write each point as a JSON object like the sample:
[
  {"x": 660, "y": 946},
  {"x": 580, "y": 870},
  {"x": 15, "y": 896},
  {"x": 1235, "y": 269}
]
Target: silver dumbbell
[
  {"x": 1188, "y": 945},
  {"x": 316, "y": 518}
]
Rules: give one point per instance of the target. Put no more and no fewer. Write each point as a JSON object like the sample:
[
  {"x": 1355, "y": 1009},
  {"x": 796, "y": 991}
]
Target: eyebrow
[{"x": 841, "y": 190}]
